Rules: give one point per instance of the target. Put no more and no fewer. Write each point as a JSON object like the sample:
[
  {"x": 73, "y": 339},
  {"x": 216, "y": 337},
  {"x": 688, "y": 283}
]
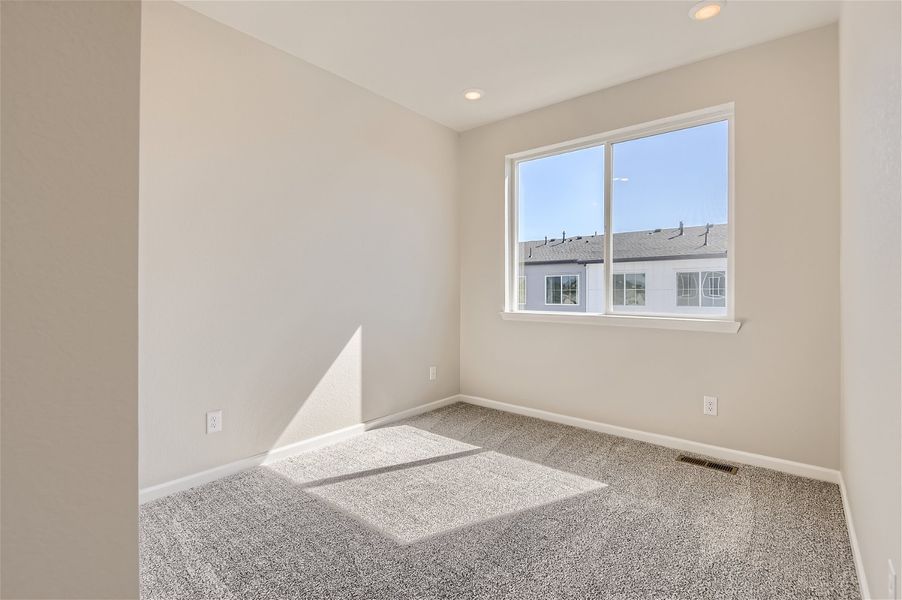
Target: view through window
[{"x": 668, "y": 212}]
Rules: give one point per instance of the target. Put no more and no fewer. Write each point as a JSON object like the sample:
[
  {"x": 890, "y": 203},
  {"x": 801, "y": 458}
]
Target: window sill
[{"x": 640, "y": 321}]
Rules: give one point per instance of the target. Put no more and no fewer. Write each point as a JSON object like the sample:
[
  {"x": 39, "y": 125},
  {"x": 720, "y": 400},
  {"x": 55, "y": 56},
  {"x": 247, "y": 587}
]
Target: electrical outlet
[
  {"x": 214, "y": 421},
  {"x": 891, "y": 581},
  {"x": 709, "y": 407},
  {"x": 432, "y": 373}
]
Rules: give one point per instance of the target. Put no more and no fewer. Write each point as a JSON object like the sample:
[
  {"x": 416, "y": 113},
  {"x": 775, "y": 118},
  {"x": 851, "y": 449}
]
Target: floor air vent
[{"x": 700, "y": 462}]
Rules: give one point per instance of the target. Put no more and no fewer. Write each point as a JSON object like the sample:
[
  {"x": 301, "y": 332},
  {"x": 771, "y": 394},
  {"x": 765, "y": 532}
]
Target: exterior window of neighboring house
[
  {"x": 714, "y": 288},
  {"x": 642, "y": 213},
  {"x": 701, "y": 288},
  {"x": 561, "y": 289},
  {"x": 629, "y": 289},
  {"x": 687, "y": 289},
  {"x": 521, "y": 292}
]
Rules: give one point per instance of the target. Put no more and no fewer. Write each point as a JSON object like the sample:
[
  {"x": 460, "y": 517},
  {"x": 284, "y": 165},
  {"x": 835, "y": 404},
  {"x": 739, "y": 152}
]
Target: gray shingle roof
[{"x": 659, "y": 244}]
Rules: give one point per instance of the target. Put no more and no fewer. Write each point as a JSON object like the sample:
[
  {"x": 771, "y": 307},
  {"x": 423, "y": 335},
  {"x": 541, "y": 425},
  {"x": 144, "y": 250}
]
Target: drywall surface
[
  {"x": 299, "y": 249},
  {"x": 70, "y": 86},
  {"x": 870, "y": 443},
  {"x": 778, "y": 378}
]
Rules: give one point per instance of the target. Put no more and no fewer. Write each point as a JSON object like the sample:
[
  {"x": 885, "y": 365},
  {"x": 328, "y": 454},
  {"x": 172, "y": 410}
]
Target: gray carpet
[{"x": 465, "y": 502}]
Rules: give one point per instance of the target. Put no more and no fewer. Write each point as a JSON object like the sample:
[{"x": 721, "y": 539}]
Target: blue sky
[{"x": 658, "y": 181}]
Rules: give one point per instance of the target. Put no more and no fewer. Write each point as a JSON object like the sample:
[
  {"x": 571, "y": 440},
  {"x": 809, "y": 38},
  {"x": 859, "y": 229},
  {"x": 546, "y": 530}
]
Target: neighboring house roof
[{"x": 660, "y": 244}]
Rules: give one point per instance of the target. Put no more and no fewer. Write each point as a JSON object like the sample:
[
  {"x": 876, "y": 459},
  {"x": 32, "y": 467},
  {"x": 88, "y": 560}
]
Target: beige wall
[
  {"x": 778, "y": 378},
  {"x": 299, "y": 265},
  {"x": 870, "y": 446},
  {"x": 70, "y": 86}
]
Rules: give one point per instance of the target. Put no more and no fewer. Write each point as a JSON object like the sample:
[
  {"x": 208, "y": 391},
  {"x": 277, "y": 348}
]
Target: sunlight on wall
[{"x": 336, "y": 399}]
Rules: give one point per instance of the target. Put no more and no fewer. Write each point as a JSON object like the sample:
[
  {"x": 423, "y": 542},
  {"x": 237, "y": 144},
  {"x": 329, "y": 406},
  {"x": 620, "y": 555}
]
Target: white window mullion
[{"x": 608, "y": 234}]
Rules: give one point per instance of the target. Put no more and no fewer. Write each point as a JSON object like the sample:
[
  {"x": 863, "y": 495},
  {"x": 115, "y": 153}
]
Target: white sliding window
[{"x": 643, "y": 213}]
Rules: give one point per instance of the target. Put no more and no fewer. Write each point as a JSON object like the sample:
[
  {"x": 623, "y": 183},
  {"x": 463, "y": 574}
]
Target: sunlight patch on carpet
[{"x": 416, "y": 503}]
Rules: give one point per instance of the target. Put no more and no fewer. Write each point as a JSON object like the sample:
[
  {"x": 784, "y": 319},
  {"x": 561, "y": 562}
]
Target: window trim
[
  {"x": 578, "y": 303},
  {"x": 722, "y": 112}
]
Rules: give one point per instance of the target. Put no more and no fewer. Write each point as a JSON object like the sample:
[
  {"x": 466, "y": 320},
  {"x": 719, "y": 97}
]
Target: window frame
[
  {"x": 724, "y": 322},
  {"x": 561, "y": 276}
]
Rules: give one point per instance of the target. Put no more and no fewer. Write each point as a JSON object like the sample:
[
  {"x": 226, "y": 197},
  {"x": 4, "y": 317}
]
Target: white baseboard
[
  {"x": 411, "y": 412},
  {"x": 778, "y": 464},
  {"x": 270, "y": 456},
  {"x": 719, "y": 452},
  {"x": 195, "y": 479},
  {"x": 853, "y": 540}
]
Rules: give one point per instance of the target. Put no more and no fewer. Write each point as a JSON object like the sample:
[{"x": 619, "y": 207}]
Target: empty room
[{"x": 455, "y": 299}]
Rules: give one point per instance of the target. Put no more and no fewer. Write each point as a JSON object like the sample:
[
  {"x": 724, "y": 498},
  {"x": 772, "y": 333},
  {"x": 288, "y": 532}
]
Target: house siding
[
  {"x": 660, "y": 285},
  {"x": 535, "y": 286}
]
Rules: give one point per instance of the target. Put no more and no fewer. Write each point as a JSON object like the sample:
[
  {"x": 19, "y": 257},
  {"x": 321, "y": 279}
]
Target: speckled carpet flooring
[{"x": 466, "y": 502}]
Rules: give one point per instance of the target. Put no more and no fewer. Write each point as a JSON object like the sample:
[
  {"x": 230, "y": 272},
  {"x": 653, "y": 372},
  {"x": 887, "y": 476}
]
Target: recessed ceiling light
[
  {"x": 705, "y": 10},
  {"x": 473, "y": 94}
]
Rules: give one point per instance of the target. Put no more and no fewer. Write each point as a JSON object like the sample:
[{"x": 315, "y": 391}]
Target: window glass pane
[
  {"x": 629, "y": 289},
  {"x": 560, "y": 222},
  {"x": 570, "y": 289},
  {"x": 669, "y": 210},
  {"x": 618, "y": 289},
  {"x": 635, "y": 289},
  {"x": 714, "y": 288},
  {"x": 714, "y": 284},
  {"x": 521, "y": 292},
  {"x": 687, "y": 289},
  {"x": 552, "y": 290}
]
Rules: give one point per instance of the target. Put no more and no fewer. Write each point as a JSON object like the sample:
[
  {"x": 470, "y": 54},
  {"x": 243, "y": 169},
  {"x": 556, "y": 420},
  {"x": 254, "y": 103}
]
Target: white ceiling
[{"x": 525, "y": 55}]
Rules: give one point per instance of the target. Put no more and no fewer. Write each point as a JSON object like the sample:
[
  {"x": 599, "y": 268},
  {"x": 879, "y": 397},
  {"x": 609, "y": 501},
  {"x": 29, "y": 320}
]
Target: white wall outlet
[
  {"x": 709, "y": 407},
  {"x": 214, "y": 421},
  {"x": 433, "y": 373},
  {"x": 891, "y": 581}
]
